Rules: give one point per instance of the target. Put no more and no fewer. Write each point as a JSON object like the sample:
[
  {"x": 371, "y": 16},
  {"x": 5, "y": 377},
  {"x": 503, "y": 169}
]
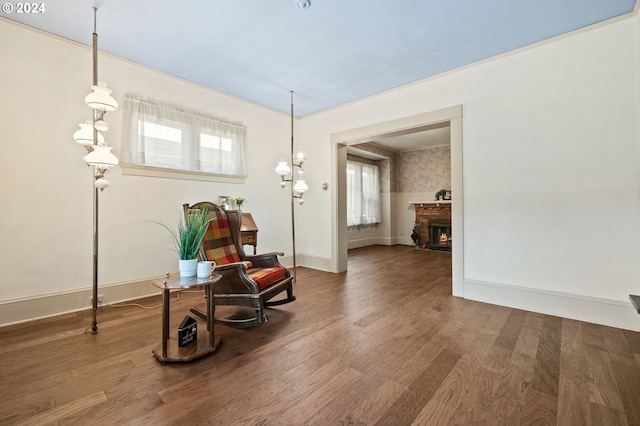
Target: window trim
[{"x": 162, "y": 172}]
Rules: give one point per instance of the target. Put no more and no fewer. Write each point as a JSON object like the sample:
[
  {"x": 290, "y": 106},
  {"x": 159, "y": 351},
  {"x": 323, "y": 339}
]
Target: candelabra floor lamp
[
  {"x": 99, "y": 155},
  {"x": 297, "y": 189}
]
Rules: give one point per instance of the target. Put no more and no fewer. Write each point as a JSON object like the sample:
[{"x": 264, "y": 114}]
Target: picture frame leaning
[{"x": 224, "y": 201}]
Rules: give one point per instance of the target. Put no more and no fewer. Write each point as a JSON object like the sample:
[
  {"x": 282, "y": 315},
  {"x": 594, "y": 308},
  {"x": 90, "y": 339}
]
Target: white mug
[{"x": 205, "y": 268}]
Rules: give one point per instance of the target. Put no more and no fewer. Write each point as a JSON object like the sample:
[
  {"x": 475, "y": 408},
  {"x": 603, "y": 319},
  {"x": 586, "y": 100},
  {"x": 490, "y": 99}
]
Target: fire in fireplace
[{"x": 440, "y": 235}]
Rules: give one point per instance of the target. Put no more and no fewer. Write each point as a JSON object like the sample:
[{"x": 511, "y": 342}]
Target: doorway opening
[{"x": 448, "y": 117}]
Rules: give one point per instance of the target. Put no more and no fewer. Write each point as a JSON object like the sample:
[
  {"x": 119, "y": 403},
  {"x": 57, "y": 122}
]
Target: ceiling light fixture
[{"x": 303, "y": 4}]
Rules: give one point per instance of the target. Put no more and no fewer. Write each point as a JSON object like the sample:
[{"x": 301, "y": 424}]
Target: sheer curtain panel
[
  {"x": 363, "y": 194},
  {"x": 164, "y": 136}
]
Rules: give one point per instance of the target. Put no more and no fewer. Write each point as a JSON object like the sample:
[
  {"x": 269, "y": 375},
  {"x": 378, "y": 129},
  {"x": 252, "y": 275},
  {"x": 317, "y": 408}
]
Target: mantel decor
[{"x": 443, "y": 194}]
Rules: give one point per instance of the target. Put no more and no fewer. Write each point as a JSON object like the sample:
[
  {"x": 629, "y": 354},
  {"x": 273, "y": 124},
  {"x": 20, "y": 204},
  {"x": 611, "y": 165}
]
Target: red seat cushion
[{"x": 264, "y": 277}]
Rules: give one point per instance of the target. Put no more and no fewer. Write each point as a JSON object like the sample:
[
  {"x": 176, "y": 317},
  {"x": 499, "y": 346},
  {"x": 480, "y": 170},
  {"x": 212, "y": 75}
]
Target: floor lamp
[
  {"x": 297, "y": 190},
  {"x": 99, "y": 155}
]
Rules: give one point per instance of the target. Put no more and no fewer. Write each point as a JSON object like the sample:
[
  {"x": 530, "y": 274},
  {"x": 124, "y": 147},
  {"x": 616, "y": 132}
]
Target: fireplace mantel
[{"x": 430, "y": 202}]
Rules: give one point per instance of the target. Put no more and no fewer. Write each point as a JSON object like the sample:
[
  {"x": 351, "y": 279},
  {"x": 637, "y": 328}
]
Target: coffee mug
[{"x": 205, "y": 268}]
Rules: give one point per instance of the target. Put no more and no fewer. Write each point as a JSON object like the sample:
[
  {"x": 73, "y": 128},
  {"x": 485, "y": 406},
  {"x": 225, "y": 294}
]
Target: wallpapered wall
[{"x": 426, "y": 170}]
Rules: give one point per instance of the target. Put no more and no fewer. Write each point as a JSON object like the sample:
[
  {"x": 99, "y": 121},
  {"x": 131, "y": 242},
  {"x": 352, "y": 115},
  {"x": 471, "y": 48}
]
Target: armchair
[{"x": 250, "y": 281}]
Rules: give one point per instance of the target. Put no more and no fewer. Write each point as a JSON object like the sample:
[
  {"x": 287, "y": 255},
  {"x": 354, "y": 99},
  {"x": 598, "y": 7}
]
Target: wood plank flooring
[{"x": 382, "y": 344}]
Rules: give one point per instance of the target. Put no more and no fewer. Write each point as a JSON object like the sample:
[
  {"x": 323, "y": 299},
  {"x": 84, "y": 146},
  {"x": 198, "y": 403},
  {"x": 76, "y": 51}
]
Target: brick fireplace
[{"x": 433, "y": 225}]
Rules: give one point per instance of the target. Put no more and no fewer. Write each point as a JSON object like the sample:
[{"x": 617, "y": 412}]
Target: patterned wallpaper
[{"x": 426, "y": 170}]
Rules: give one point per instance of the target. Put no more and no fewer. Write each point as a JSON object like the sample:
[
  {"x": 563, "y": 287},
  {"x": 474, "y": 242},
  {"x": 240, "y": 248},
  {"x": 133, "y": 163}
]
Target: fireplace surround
[
  {"x": 439, "y": 235},
  {"x": 433, "y": 225}
]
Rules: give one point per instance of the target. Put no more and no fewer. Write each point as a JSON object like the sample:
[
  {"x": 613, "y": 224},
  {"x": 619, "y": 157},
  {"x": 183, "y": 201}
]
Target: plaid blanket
[{"x": 218, "y": 242}]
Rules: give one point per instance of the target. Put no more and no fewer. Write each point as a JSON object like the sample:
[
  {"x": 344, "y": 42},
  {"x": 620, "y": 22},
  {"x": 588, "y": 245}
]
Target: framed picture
[{"x": 224, "y": 201}]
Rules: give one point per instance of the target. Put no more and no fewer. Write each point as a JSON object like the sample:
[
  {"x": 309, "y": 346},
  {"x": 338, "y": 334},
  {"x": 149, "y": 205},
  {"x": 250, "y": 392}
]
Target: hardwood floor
[{"x": 382, "y": 344}]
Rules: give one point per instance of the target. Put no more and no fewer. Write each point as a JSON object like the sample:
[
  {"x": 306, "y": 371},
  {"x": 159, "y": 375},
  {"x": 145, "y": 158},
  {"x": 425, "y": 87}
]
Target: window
[
  {"x": 158, "y": 136},
  {"x": 162, "y": 144},
  {"x": 363, "y": 194},
  {"x": 216, "y": 154}
]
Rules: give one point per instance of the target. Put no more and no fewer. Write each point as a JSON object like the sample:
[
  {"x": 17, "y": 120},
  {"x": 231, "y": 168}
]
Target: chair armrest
[
  {"x": 265, "y": 260},
  {"x": 234, "y": 265}
]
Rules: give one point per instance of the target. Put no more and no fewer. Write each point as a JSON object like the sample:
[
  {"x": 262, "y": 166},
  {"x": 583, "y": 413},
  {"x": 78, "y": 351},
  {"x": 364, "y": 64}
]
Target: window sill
[
  {"x": 363, "y": 225},
  {"x": 160, "y": 172}
]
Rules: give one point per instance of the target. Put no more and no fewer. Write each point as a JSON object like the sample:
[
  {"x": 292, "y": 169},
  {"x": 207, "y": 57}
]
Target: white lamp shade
[
  {"x": 101, "y": 157},
  {"x": 101, "y": 125},
  {"x": 84, "y": 136},
  {"x": 101, "y": 98},
  {"x": 300, "y": 186},
  {"x": 282, "y": 168},
  {"x": 101, "y": 183}
]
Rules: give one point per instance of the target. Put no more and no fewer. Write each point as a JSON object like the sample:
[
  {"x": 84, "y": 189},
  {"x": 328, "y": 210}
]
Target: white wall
[
  {"x": 550, "y": 153},
  {"x": 46, "y": 190}
]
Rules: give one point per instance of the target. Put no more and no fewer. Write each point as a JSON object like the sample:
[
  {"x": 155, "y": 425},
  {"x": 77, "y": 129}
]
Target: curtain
[
  {"x": 164, "y": 136},
  {"x": 363, "y": 194}
]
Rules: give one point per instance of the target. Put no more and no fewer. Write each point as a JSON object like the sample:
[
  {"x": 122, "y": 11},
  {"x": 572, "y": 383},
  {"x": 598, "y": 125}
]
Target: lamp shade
[
  {"x": 282, "y": 168},
  {"x": 84, "y": 135},
  {"x": 101, "y": 183},
  {"x": 101, "y": 125},
  {"x": 101, "y": 98},
  {"x": 101, "y": 157},
  {"x": 300, "y": 186}
]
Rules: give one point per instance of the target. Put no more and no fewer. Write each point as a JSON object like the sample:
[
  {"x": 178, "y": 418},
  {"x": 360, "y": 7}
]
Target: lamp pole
[
  {"x": 98, "y": 154},
  {"x": 297, "y": 190},
  {"x": 94, "y": 299},
  {"x": 94, "y": 82},
  {"x": 293, "y": 196}
]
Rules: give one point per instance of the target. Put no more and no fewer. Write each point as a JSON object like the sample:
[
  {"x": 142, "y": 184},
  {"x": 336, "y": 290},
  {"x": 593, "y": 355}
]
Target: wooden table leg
[
  {"x": 165, "y": 322},
  {"x": 211, "y": 310}
]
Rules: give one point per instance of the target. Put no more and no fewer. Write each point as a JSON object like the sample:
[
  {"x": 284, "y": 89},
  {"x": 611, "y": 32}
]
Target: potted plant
[{"x": 188, "y": 239}]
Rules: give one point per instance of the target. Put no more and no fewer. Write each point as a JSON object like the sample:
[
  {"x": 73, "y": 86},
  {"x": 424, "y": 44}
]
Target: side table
[{"x": 168, "y": 350}]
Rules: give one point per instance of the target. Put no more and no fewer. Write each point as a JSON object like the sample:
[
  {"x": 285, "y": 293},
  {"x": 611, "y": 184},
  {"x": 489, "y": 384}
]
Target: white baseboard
[
  {"x": 26, "y": 309},
  {"x": 405, "y": 241},
  {"x": 314, "y": 262},
  {"x": 16, "y": 311},
  {"x": 370, "y": 241},
  {"x": 612, "y": 313}
]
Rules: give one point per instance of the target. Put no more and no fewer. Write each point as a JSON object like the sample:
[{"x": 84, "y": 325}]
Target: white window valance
[{"x": 162, "y": 136}]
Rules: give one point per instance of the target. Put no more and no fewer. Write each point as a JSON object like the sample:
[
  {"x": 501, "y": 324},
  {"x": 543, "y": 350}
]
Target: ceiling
[
  {"x": 330, "y": 53},
  {"x": 437, "y": 134}
]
